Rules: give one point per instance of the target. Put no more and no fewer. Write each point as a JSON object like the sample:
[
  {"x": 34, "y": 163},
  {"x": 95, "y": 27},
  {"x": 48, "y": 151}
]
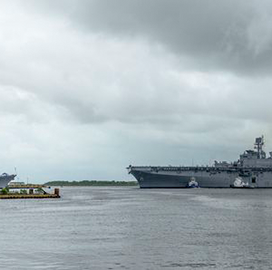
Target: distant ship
[
  {"x": 253, "y": 169},
  {"x": 5, "y": 179}
]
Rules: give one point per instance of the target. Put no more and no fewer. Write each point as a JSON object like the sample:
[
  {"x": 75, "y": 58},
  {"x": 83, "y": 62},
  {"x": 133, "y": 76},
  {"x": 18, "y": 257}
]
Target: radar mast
[{"x": 258, "y": 145}]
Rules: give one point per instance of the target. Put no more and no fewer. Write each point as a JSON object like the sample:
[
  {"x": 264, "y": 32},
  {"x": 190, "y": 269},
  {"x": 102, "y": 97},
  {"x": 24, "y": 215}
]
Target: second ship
[{"x": 5, "y": 179}]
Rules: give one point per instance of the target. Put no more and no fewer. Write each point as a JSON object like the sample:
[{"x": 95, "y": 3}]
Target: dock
[
  {"x": 29, "y": 191},
  {"x": 26, "y": 186},
  {"x": 29, "y": 196}
]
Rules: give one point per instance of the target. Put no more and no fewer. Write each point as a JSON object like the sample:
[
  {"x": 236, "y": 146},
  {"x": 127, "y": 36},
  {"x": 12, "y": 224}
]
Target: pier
[
  {"x": 29, "y": 192},
  {"x": 29, "y": 196}
]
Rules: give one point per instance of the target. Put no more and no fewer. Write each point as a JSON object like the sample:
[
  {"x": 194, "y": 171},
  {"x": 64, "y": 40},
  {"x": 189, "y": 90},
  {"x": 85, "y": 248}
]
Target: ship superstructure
[
  {"x": 5, "y": 179},
  {"x": 253, "y": 168}
]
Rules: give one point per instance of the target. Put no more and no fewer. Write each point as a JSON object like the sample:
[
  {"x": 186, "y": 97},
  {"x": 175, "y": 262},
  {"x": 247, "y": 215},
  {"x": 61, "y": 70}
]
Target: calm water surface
[{"x": 132, "y": 228}]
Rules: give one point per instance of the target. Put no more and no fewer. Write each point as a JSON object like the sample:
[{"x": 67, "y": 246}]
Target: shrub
[{"x": 4, "y": 191}]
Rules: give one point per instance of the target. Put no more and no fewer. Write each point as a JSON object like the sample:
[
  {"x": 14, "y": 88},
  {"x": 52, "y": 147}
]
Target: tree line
[{"x": 91, "y": 183}]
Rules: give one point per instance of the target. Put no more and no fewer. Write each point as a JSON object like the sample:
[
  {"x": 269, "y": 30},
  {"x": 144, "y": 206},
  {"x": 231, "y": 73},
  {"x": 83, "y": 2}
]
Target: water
[{"x": 131, "y": 228}]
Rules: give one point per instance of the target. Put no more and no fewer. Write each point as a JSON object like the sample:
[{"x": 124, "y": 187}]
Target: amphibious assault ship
[
  {"x": 253, "y": 169},
  {"x": 5, "y": 179}
]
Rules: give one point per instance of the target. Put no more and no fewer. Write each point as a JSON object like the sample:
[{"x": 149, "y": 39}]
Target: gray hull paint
[
  {"x": 172, "y": 179},
  {"x": 5, "y": 179},
  {"x": 252, "y": 168}
]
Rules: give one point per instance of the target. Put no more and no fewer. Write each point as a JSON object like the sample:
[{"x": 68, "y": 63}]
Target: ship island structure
[
  {"x": 253, "y": 169},
  {"x": 5, "y": 179}
]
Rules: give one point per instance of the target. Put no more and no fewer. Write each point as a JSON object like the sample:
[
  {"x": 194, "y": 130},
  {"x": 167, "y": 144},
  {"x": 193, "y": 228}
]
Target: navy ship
[
  {"x": 5, "y": 179},
  {"x": 253, "y": 169}
]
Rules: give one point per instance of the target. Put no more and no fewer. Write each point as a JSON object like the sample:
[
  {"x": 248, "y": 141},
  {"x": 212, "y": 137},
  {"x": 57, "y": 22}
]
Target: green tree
[{"x": 4, "y": 191}]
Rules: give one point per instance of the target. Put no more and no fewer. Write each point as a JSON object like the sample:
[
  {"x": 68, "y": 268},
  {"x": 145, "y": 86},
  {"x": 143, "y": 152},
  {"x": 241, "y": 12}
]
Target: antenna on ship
[
  {"x": 18, "y": 178},
  {"x": 259, "y": 143}
]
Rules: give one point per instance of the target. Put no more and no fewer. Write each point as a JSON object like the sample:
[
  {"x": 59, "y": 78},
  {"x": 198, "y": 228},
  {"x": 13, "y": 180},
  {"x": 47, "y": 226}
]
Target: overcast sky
[{"x": 88, "y": 87}]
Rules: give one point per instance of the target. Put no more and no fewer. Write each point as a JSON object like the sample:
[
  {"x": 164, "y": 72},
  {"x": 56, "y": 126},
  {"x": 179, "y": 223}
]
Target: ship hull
[
  {"x": 252, "y": 169},
  {"x": 147, "y": 177}
]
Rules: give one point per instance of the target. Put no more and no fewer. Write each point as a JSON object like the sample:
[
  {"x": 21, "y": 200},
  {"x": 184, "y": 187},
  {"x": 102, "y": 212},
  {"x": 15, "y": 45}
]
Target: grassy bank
[{"x": 91, "y": 183}]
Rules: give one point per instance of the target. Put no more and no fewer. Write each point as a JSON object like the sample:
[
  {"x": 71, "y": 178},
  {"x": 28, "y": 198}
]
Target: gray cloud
[
  {"x": 226, "y": 35},
  {"x": 86, "y": 85}
]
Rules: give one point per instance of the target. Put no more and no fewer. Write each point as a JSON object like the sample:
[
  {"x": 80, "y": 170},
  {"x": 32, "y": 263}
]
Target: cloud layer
[{"x": 87, "y": 87}]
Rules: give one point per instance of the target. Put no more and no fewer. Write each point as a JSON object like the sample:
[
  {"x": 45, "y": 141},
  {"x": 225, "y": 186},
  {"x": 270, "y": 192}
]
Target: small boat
[
  {"x": 239, "y": 183},
  {"x": 192, "y": 183}
]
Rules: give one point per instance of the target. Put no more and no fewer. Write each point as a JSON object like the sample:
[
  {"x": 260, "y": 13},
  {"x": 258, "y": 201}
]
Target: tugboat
[
  {"x": 192, "y": 183},
  {"x": 239, "y": 183}
]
